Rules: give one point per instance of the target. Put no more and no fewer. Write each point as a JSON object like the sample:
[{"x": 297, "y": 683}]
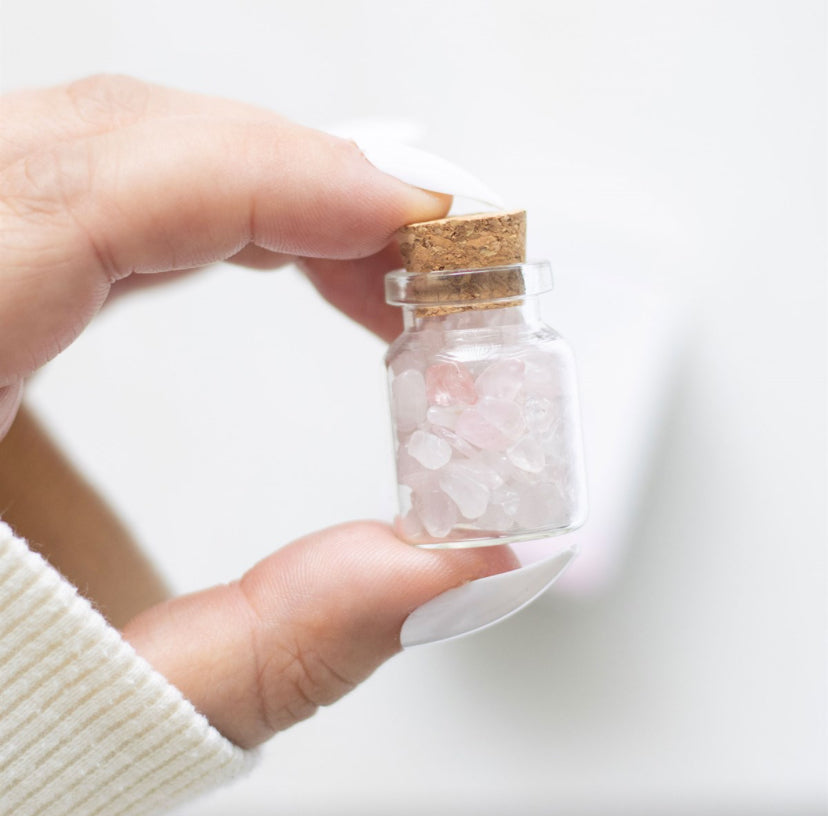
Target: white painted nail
[
  {"x": 425, "y": 170},
  {"x": 481, "y": 603},
  {"x": 10, "y": 398}
]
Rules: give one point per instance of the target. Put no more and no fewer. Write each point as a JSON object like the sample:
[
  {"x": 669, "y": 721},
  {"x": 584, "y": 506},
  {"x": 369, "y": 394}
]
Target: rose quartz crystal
[
  {"x": 457, "y": 442},
  {"x": 437, "y": 512},
  {"x": 444, "y": 417},
  {"x": 495, "y": 519},
  {"x": 462, "y": 486},
  {"x": 503, "y": 379},
  {"x": 429, "y": 450},
  {"x": 504, "y": 415},
  {"x": 482, "y": 444},
  {"x": 527, "y": 454},
  {"x": 449, "y": 384},
  {"x": 479, "y": 431},
  {"x": 408, "y": 399},
  {"x": 538, "y": 414}
]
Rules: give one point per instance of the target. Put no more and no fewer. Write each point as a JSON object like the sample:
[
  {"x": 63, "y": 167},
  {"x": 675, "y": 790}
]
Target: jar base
[{"x": 464, "y": 539}]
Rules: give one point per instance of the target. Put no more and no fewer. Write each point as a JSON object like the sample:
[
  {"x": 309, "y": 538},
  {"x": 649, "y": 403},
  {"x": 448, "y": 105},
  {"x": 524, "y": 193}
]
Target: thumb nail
[
  {"x": 10, "y": 399},
  {"x": 481, "y": 603},
  {"x": 425, "y": 170}
]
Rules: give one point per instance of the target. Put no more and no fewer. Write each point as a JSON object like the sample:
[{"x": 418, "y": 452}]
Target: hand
[{"x": 108, "y": 180}]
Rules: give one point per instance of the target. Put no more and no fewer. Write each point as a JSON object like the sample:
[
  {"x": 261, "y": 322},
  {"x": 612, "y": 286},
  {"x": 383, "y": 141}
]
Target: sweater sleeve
[{"x": 87, "y": 727}]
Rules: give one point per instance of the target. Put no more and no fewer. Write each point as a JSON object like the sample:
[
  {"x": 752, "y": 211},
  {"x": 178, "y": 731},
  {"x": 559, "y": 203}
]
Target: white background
[{"x": 678, "y": 143}]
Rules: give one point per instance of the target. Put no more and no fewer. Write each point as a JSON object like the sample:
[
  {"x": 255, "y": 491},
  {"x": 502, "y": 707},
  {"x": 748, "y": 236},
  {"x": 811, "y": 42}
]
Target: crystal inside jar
[{"x": 484, "y": 409}]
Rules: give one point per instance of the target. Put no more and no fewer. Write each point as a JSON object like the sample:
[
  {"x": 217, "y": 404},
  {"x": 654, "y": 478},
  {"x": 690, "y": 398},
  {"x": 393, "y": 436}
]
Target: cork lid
[
  {"x": 464, "y": 242},
  {"x": 462, "y": 262}
]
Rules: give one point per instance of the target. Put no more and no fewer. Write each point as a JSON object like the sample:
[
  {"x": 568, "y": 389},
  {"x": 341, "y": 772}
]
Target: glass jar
[{"x": 484, "y": 410}]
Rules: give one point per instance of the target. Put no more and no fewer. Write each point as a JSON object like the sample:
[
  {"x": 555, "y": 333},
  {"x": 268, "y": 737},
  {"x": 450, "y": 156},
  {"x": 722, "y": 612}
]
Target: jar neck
[{"x": 523, "y": 312}]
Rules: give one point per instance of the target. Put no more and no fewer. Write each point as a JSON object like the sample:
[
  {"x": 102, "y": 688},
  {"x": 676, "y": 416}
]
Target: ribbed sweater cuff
[{"x": 87, "y": 727}]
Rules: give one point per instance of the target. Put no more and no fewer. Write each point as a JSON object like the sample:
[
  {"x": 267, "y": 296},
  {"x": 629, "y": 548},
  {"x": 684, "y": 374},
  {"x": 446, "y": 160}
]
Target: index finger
[{"x": 172, "y": 193}]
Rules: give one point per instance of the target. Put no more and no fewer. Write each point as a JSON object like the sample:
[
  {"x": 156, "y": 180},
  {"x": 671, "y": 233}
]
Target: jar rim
[{"x": 461, "y": 287}]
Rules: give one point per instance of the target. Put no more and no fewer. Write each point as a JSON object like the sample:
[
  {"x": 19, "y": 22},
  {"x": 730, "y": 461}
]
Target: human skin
[{"x": 110, "y": 183}]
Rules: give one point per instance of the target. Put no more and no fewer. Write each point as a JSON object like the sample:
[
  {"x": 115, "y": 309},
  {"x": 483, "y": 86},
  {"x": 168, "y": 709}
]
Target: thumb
[{"x": 301, "y": 628}]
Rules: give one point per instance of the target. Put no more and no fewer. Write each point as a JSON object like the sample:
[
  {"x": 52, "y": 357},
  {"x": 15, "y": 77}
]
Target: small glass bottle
[{"x": 484, "y": 409}]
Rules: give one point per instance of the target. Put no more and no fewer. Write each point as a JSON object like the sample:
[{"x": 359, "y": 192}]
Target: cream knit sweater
[{"x": 87, "y": 727}]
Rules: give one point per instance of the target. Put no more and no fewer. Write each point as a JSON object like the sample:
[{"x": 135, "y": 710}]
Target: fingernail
[
  {"x": 422, "y": 169},
  {"x": 10, "y": 398},
  {"x": 481, "y": 603}
]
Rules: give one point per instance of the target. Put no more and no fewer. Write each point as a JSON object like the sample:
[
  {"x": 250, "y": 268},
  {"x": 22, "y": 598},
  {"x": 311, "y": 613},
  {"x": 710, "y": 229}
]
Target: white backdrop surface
[{"x": 676, "y": 148}]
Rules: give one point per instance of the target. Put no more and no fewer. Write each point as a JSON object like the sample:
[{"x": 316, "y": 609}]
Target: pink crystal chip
[
  {"x": 457, "y": 442},
  {"x": 444, "y": 417},
  {"x": 408, "y": 399},
  {"x": 495, "y": 519},
  {"x": 492, "y": 424},
  {"x": 527, "y": 454},
  {"x": 436, "y": 511},
  {"x": 429, "y": 450},
  {"x": 502, "y": 379},
  {"x": 476, "y": 429},
  {"x": 481, "y": 445},
  {"x": 538, "y": 413},
  {"x": 505, "y": 415},
  {"x": 465, "y": 489},
  {"x": 449, "y": 384}
]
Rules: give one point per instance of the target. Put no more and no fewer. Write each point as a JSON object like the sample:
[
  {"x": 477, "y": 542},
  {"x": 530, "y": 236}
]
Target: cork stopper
[{"x": 466, "y": 242}]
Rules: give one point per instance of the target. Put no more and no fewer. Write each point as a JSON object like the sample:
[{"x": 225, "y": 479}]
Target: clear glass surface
[{"x": 486, "y": 428}]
